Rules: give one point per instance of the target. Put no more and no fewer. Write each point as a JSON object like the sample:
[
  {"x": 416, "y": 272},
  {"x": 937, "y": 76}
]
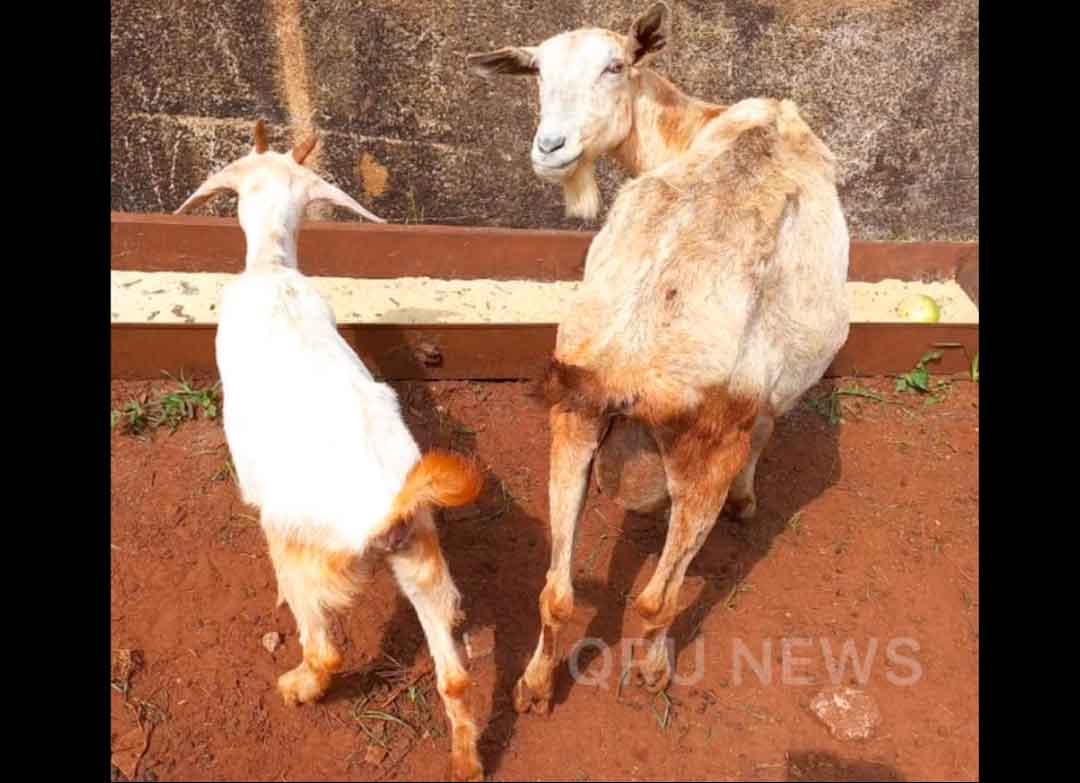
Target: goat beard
[{"x": 581, "y": 192}]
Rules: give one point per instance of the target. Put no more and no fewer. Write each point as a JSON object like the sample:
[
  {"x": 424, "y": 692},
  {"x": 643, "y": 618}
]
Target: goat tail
[{"x": 438, "y": 479}]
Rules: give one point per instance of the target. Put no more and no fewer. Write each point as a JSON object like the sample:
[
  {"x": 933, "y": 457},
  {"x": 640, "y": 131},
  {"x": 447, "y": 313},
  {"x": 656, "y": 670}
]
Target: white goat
[{"x": 321, "y": 448}]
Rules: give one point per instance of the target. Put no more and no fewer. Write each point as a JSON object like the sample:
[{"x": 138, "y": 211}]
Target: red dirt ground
[{"x": 867, "y": 530}]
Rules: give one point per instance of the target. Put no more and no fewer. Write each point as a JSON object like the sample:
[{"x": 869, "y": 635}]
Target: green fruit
[{"x": 919, "y": 308}]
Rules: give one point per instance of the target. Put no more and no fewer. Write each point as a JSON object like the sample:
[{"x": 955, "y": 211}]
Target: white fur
[
  {"x": 315, "y": 440},
  {"x": 319, "y": 446}
]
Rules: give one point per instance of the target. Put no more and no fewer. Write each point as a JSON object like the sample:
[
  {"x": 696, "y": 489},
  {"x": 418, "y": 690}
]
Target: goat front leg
[
  {"x": 742, "y": 500},
  {"x": 422, "y": 574},
  {"x": 699, "y": 476},
  {"x": 574, "y": 438}
]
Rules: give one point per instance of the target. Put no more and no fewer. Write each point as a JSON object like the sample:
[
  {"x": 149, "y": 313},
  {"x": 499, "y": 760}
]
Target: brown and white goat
[{"x": 713, "y": 297}]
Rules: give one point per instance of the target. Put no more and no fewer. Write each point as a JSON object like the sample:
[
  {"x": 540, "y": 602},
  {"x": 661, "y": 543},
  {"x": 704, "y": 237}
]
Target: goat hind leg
[
  {"x": 313, "y": 582},
  {"x": 422, "y": 574},
  {"x": 742, "y": 499},
  {"x": 574, "y": 438},
  {"x": 699, "y": 484}
]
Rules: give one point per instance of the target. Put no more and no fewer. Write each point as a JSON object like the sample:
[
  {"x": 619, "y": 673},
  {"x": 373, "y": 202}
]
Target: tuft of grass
[
  {"x": 918, "y": 379},
  {"x": 731, "y": 601},
  {"x": 663, "y": 719},
  {"x": 184, "y": 403},
  {"x": 227, "y": 472},
  {"x": 975, "y": 367},
  {"x": 830, "y": 406},
  {"x": 133, "y": 416},
  {"x": 124, "y": 665},
  {"x": 382, "y": 715},
  {"x": 858, "y": 391}
]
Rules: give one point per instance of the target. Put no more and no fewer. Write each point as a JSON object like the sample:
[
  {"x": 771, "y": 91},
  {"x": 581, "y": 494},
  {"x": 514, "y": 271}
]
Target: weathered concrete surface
[{"x": 891, "y": 85}]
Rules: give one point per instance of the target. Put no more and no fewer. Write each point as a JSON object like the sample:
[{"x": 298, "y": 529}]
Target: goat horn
[
  {"x": 260, "y": 137},
  {"x": 304, "y": 148}
]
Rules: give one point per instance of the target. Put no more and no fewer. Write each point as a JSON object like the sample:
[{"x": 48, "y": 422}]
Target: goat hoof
[
  {"x": 526, "y": 699},
  {"x": 465, "y": 768},
  {"x": 743, "y": 509},
  {"x": 302, "y": 685}
]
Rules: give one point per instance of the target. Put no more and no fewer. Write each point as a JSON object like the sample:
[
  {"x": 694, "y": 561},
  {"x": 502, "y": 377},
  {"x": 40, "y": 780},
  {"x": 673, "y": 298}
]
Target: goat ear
[
  {"x": 647, "y": 33},
  {"x": 220, "y": 182},
  {"x": 510, "y": 60},
  {"x": 320, "y": 190}
]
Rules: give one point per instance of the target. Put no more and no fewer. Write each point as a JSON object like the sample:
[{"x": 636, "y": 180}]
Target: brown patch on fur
[
  {"x": 597, "y": 393},
  {"x": 665, "y": 122},
  {"x": 555, "y": 610},
  {"x": 706, "y": 448},
  {"x": 712, "y": 112},
  {"x": 575, "y": 388},
  {"x": 677, "y": 122},
  {"x": 654, "y": 611},
  {"x": 670, "y": 127},
  {"x": 456, "y": 686},
  {"x": 323, "y": 659},
  {"x": 629, "y": 391},
  {"x": 464, "y": 763},
  {"x": 336, "y": 570}
]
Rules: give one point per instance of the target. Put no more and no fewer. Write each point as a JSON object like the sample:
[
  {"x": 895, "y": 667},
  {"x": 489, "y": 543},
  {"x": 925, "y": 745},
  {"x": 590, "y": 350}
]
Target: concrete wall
[{"x": 890, "y": 85}]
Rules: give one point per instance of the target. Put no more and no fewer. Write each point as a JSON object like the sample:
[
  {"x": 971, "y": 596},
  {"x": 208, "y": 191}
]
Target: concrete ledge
[{"x": 440, "y": 302}]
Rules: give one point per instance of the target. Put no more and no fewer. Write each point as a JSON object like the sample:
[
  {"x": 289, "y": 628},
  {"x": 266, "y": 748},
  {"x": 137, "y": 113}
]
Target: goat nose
[{"x": 548, "y": 144}]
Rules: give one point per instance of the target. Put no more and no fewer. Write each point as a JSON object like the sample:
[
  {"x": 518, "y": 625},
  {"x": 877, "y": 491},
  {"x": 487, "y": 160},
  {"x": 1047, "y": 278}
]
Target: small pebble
[
  {"x": 849, "y": 713},
  {"x": 271, "y": 641}
]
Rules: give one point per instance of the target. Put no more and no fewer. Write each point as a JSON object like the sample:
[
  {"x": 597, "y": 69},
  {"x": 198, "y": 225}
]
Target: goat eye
[{"x": 615, "y": 67}]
